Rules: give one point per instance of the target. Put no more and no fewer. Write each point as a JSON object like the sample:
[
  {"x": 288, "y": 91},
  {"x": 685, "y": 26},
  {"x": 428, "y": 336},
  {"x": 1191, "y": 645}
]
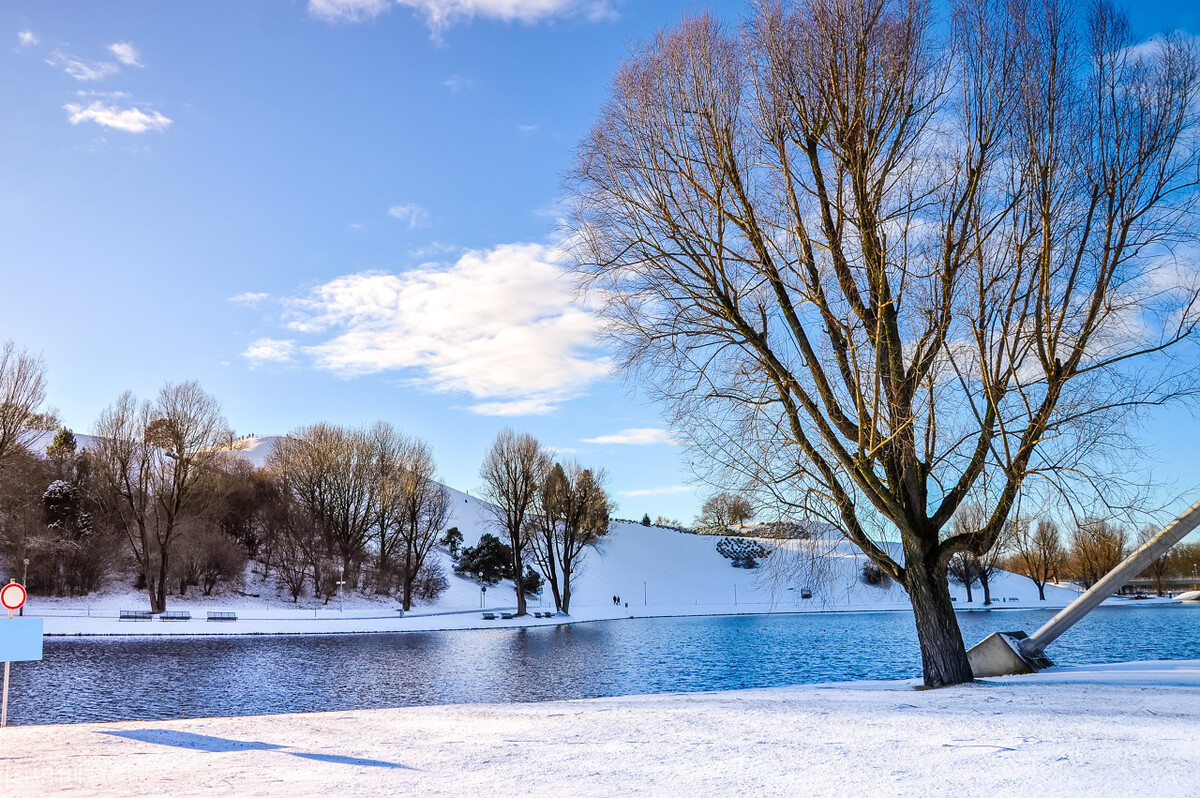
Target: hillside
[{"x": 654, "y": 570}]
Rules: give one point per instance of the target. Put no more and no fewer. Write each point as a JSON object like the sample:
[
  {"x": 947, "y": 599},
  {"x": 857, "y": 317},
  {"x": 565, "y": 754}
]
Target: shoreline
[{"x": 333, "y": 622}]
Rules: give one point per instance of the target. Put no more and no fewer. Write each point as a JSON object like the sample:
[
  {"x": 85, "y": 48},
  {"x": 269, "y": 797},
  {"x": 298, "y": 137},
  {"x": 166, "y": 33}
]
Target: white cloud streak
[
  {"x": 82, "y": 70},
  {"x": 250, "y": 299},
  {"x": 458, "y": 84},
  {"x": 126, "y": 53},
  {"x": 413, "y": 214},
  {"x": 27, "y": 38},
  {"x": 634, "y": 437},
  {"x": 658, "y": 491},
  {"x": 130, "y": 120},
  {"x": 270, "y": 350},
  {"x": 346, "y": 10},
  {"x": 440, "y": 14},
  {"x": 498, "y": 325}
]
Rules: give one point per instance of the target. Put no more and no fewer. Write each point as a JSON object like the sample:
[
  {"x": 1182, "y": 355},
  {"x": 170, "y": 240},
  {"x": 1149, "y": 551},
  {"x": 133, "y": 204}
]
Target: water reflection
[{"x": 155, "y": 678}]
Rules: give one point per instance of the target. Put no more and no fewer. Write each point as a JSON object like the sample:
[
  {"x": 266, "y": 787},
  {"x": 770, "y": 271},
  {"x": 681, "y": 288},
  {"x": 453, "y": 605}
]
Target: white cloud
[
  {"x": 346, "y": 10},
  {"x": 130, "y": 120},
  {"x": 499, "y": 325},
  {"x": 442, "y": 13},
  {"x": 658, "y": 491},
  {"x": 270, "y": 350},
  {"x": 458, "y": 84},
  {"x": 250, "y": 299},
  {"x": 83, "y": 70},
  {"x": 27, "y": 38},
  {"x": 528, "y": 129},
  {"x": 415, "y": 215},
  {"x": 634, "y": 437},
  {"x": 126, "y": 53}
]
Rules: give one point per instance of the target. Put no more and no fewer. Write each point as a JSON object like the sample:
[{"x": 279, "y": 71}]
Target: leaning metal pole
[{"x": 1013, "y": 652}]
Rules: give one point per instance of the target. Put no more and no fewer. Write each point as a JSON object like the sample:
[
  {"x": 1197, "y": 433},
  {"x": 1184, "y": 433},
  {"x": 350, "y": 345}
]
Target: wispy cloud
[
  {"x": 413, "y": 214},
  {"x": 435, "y": 249},
  {"x": 458, "y": 84},
  {"x": 130, "y": 120},
  {"x": 80, "y": 69},
  {"x": 346, "y": 10},
  {"x": 634, "y": 437},
  {"x": 126, "y": 53},
  {"x": 270, "y": 350},
  {"x": 27, "y": 38},
  {"x": 499, "y": 325},
  {"x": 440, "y": 14},
  {"x": 657, "y": 491},
  {"x": 250, "y": 299},
  {"x": 528, "y": 129}
]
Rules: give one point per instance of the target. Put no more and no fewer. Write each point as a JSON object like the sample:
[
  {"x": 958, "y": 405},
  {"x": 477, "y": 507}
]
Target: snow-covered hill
[{"x": 654, "y": 571}]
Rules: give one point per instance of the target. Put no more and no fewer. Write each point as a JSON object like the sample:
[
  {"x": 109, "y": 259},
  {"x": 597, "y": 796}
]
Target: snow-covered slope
[{"x": 653, "y": 570}]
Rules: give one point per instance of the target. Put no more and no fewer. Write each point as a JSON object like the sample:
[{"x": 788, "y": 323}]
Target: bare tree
[
  {"x": 1037, "y": 552},
  {"x": 1160, "y": 568},
  {"x": 869, "y": 261},
  {"x": 152, "y": 459},
  {"x": 1097, "y": 546},
  {"x": 22, "y": 391},
  {"x": 332, "y": 473},
  {"x": 963, "y": 568},
  {"x": 510, "y": 473},
  {"x": 572, "y": 515},
  {"x": 424, "y": 506},
  {"x": 725, "y": 509}
]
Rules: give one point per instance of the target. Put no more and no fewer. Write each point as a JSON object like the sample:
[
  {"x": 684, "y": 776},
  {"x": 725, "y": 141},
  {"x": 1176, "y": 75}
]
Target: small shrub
[{"x": 744, "y": 553}]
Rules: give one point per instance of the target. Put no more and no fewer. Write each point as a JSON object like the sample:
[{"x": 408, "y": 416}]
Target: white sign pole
[{"x": 4, "y": 704}]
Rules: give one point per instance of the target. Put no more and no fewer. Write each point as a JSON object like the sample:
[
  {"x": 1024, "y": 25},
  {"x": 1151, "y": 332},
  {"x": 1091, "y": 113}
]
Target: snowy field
[{"x": 1100, "y": 730}]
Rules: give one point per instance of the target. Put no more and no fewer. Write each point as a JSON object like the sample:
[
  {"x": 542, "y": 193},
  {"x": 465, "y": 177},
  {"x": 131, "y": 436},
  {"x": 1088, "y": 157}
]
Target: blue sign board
[{"x": 20, "y": 639}]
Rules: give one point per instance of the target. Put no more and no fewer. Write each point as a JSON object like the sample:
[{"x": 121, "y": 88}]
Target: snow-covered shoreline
[{"x": 1114, "y": 729}]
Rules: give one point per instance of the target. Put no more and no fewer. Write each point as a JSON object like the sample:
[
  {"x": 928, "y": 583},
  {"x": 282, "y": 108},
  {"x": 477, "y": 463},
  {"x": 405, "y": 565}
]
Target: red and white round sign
[{"x": 12, "y": 596}]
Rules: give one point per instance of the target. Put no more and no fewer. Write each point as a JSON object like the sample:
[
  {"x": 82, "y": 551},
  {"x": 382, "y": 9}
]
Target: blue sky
[{"x": 341, "y": 210}]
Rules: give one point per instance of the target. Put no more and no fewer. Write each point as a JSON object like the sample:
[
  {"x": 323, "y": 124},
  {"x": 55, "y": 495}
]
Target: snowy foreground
[{"x": 1096, "y": 730}]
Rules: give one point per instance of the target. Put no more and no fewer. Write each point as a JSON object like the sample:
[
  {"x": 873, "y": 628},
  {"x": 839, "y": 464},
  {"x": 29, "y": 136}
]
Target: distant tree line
[{"x": 162, "y": 498}]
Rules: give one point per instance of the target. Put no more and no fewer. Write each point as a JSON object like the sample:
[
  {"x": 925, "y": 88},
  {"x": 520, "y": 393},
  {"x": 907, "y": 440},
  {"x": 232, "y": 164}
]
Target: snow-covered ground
[
  {"x": 1099, "y": 730},
  {"x": 655, "y": 571}
]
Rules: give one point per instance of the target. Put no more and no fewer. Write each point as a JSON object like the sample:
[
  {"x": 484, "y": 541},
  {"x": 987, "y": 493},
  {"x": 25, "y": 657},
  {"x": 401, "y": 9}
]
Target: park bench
[
  {"x": 222, "y": 616},
  {"x": 137, "y": 615},
  {"x": 489, "y": 616},
  {"x": 508, "y": 616},
  {"x": 179, "y": 615},
  {"x": 805, "y": 593}
]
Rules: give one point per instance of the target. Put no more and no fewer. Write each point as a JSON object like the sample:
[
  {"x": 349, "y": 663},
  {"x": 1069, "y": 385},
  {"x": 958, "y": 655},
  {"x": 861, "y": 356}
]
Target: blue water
[{"x": 104, "y": 679}]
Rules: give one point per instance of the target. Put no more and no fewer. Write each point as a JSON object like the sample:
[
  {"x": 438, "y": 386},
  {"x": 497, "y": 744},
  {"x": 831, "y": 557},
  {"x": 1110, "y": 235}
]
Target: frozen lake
[{"x": 103, "y": 679}]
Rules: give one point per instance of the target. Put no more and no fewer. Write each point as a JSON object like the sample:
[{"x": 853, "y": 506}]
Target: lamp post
[
  {"x": 24, "y": 582},
  {"x": 341, "y": 581},
  {"x": 482, "y": 594}
]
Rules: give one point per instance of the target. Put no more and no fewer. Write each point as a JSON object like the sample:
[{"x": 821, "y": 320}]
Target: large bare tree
[
  {"x": 511, "y": 473},
  {"x": 878, "y": 263},
  {"x": 151, "y": 459}
]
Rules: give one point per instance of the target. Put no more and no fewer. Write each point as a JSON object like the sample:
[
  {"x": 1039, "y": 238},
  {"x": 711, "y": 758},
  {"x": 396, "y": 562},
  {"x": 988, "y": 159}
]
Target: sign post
[{"x": 20, "y": 638}]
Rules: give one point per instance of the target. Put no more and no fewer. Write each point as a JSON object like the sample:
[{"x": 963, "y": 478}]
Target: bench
[
  {"x": 489, "y": 616},
  {"x": 137, "y": 615},
  {"x": 805, "y": 593},
  {"x": 181, "y": 615},
  {"x": 222, "y": 616},
  {"x": 508, "y": 616}
]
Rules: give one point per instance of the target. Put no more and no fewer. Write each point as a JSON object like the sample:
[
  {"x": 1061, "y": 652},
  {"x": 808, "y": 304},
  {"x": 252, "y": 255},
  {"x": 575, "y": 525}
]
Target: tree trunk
[
  {"x": 987, "y": 590},
  {"x": 158, "y": 600},
  {"x": 1041, "y": 590},
  {"x": 967, "y": 585},
  {"x": 566, "y": 596},
  {"x": 519, "y": 579},
  {"x": 943, "y": 655}
]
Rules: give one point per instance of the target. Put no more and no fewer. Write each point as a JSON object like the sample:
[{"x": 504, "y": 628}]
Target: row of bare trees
[
  {"x": 1036, "y": 548},
  {"x": 349, "y": 495}
]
